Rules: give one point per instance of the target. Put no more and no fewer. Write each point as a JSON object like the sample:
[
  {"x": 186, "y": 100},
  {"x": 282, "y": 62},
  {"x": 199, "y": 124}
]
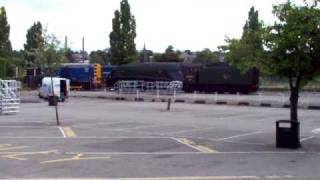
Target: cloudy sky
[{"x": 185, "y": 24}]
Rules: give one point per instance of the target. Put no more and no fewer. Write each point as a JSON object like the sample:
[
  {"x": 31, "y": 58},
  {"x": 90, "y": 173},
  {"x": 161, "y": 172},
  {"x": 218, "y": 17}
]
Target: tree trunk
[{"x": 294, "y": 104}]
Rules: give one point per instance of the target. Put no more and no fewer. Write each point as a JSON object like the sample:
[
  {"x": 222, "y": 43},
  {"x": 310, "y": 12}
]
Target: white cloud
[{"x": 185, "y": 24}]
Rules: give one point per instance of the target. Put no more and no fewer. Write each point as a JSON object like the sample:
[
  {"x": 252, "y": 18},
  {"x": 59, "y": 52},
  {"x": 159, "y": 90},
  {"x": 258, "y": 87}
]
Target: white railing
[
  {"x": 9, "y": 96},
  {"x": 162, "y": 87}
]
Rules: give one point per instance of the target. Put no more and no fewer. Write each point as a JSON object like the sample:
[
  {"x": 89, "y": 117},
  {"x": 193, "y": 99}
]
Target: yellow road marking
[
  {"x": 193, "y": 145},
  {"x": 69, "y": 132},
  {"x": 78, "y": 157},
  {"x": 4, "y": 145},
  {"x": 16, "y": 155},
  {"x": 206, "y": 149}
]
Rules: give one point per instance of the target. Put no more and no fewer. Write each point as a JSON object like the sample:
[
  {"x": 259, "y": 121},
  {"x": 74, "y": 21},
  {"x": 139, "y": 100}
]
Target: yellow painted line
[
  {"x": 17, "y": 155},
  {"x": 4, "y": 145},
  {"x": 78, "y": 157},
  {"x": 193, "y": 145},
  {"x": 206, "y": 149},
  {"x": 69, "y": 132}
]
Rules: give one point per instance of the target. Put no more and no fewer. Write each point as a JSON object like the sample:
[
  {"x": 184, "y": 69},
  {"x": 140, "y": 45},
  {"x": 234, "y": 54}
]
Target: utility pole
[{"x": 55, "y": 100}]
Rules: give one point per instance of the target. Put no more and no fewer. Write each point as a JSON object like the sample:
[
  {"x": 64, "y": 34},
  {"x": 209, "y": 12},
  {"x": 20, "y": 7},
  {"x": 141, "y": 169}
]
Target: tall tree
[
  {"x": 99, "y": 56},
  {"x": 53, "y": 53},
  {"x": 5, "y": 44},
  {"x": 246, "y": 52},
  {"x": 293, "y": 47},
  {"x": 34, "y": 46},
  {"x": 116, "y": 43},
  {"x": 122, "y": 45},
  {"x": 171, "y": 55},
  {"x": 252, "y": 24},
  {"x": 207, "y": 56}
]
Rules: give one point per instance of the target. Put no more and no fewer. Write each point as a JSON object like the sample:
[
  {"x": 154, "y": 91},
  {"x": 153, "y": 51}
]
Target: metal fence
[{"x": 9, "y": 96}]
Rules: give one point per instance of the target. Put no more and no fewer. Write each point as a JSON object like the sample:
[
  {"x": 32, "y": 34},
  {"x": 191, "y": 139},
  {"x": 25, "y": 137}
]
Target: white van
[{"x": 61, "y": 88}]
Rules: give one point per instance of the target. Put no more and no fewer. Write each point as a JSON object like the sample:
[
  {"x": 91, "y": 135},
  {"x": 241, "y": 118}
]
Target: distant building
[{"x": 145, "y": 55}]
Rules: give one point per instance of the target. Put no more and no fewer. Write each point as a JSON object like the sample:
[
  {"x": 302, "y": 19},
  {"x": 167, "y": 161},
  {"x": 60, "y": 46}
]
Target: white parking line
[
  {"x": 307, "y": 138},
  {"x": 30, "y": 137},
  {"x": 316, "y": 131},
  {"x": 135, "y": 153},
  {"x": 85, "y": 137},
  {"x": 240, "y": 135},
  {"x": 189, "y": 130},
  {"x": 139, "y": 127},
  {"x": 248, "y": 143},
  {"x": 62, "y": 132},
  {"x": 29, "y": 127},
  {"x": 189, "y": 153},
  {"x": 179, "y": 178},
  {"x": 85, "y": 125}
]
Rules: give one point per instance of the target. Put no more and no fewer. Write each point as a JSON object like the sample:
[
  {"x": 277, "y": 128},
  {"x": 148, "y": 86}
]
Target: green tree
[
  {"x": 293, "y": 47},
  {"x": 17, "y": 61},
  {"x": 122, "y": 45},
  {"x": 116, "y": 45},
  {"x": 5, "y": 44},
  {"x": 68, "y": 55},
  {"x": 171, "y": 55},
  {"x": 246, "y": 52},
  {"x": 101, "y": 57},
  {"x": 207, "y": 56},
  {"x": 34, "y": 46},
  {"x": 53, "y": 53},
  {"x": 157, "y": 57}
]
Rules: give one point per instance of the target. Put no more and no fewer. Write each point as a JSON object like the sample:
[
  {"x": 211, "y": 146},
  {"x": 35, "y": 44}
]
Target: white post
[
  {"x": 195, "y": 94},
  {"x": 174, "y": 95},
  {"x": 137, "y": 93}
]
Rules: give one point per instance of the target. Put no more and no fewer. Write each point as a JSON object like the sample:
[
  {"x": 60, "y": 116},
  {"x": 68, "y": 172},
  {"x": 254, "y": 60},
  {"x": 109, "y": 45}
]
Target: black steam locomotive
[{"x": 215, "y": 77}]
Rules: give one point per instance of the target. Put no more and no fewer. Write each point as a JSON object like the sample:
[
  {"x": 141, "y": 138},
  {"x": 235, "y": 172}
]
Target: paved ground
[
  {"x": 307, "y": 100},
  {"x": 113, "y": 139}
]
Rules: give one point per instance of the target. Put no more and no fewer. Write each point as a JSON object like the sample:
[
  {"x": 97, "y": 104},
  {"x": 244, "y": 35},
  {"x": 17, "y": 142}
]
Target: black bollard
[{"x": 169, "y": 104}]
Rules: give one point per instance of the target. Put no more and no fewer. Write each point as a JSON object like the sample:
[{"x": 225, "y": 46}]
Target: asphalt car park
[{"x": 99, "y": 138}]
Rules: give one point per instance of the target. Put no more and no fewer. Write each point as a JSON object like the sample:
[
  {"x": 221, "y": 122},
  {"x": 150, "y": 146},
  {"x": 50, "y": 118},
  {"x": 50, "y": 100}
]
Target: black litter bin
[
  {"x": 53, "y": 100},
  {"x": 288, "y": 134}
]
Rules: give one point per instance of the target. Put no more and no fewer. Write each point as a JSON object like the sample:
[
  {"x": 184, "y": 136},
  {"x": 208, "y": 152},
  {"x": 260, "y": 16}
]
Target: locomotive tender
[{"x": 220, "y": 77}]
